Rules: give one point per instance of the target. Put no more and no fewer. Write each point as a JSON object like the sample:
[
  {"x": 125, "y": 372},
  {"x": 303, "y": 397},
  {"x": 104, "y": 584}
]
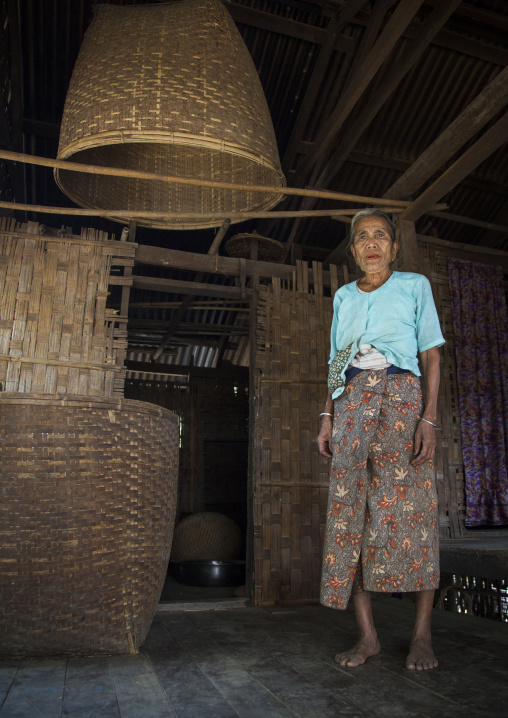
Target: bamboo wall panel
[
  {"x": 290, "y": 479},
  {"x": 57, "y": 335},
  {"x": 449, "y": 463}
]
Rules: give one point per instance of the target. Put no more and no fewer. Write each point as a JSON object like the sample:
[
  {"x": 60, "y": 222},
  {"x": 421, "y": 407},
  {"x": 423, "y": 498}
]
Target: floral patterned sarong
[{"x": 382, "y": 526}]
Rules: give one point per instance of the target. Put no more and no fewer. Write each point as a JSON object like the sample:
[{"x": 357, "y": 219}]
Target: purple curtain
[{"x": 480, "y": 326}]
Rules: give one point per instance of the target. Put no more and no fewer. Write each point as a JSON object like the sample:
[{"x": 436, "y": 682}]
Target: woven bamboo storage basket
[
  {"x": 88, "y": 494},
  {"x": 171, "y": 89}
]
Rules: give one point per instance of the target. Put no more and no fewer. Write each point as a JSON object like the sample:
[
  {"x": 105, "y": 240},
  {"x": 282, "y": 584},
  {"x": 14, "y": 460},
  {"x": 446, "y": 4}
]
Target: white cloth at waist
[{"x": 369, "y": 358}]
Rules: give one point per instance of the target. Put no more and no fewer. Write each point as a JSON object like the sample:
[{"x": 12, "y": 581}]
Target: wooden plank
[
  {"x": 177, "y": 286},
  {"x": 176, "y": 259},
  {"x": 390, "y": 82},
  {"x": 482, "y": 109},
  {"x": 475, "y": 155}
]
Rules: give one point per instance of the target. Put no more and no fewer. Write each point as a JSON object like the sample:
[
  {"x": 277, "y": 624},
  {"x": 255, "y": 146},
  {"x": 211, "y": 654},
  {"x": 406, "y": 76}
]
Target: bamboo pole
[
  {"x": 137, "y": 174},
  {"x": 128, "y": 214}
]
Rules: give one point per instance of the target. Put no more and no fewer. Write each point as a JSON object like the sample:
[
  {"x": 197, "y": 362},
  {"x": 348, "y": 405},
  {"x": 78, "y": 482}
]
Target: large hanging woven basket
[{"x": 171, "y": 89}]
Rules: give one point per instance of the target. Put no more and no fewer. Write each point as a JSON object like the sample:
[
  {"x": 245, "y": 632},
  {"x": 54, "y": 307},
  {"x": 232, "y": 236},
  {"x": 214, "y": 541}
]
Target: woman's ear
[{"x": 395, "y": 251}]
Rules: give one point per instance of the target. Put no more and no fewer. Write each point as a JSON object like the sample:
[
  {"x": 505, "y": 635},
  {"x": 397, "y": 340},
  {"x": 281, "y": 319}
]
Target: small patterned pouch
[{"x": 339, "y": 361}]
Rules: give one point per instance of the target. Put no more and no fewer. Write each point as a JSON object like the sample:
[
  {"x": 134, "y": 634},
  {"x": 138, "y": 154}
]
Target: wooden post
[{"x": 408, "y": 247}]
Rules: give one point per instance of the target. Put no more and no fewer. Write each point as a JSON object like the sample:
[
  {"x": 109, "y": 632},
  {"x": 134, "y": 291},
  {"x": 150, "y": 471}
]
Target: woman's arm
[
  {"x": 425, "y": 437},
  {"x": 324, "y": 439}
]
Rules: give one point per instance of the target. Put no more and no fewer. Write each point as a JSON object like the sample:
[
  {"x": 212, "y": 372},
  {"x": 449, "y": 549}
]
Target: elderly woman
[{"x": 381, "y": 531}]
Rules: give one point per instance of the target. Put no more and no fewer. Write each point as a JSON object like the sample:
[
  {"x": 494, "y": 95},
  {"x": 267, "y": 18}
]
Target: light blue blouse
[{"x": 399, "y": 319}]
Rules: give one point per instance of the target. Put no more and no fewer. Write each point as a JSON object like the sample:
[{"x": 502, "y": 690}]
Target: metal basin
[{"x": 209, "y": 573}]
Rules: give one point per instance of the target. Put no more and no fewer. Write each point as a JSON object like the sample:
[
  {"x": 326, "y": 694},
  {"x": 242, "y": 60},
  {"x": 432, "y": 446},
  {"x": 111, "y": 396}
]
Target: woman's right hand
[{"x": 324, "y": 439}]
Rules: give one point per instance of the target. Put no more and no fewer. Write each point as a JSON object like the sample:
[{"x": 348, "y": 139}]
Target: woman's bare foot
[
  {"x": 421, "y": 656},
  {"x": 362, "y": 650}
]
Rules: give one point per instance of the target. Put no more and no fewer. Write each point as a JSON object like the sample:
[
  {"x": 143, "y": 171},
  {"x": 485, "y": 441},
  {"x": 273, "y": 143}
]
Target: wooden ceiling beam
[
  {"x": 311, "y": 94},
  {"x": 229, "y": 266},
  {"x": 370, "y": 34},
  {"x": 400, "y": 19},
  {"x": 394, "y": 77},
  {"x": 274, "y": 23},
  {"x": 492, "y": 226},
  {"x": 178, "y": 286},
  {"x": 398, "y": 165},
  {"x": 475, "y": 155},
  {"x": 476, "y": 115},
  {"x": 459, "y": 43},
  {"x": 402, "y": 16}
]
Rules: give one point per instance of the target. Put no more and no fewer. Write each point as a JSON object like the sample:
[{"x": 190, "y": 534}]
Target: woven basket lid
[
  {"x": 269, "y": 250},
  {"x": 172, "y": 89}
]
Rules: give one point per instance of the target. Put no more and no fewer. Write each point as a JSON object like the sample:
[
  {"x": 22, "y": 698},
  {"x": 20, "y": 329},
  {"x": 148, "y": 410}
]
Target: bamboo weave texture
[
  {"x": 86, "y": 521},
  {"x": 57, "y": 335},
  {"x": 169, "y": 88},
  {"x": 290, "y": 478}
]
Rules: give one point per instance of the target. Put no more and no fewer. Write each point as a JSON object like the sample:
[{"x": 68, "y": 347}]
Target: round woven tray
[
  {"x": 87, "y": 505},
  {"x": 269, "y": 250},
  {"x": 169, "y": 88}
]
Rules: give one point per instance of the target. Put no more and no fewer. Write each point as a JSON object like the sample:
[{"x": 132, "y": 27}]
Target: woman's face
[{"x": 372, "y": 247}]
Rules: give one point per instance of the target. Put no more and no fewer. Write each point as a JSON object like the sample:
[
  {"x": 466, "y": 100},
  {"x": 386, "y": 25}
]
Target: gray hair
[{"x": 370, "y": 212}]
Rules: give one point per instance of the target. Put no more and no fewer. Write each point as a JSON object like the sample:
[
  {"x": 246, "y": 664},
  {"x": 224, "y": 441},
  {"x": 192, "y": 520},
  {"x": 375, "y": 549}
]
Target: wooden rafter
[
  {"x": 372, "y": 29},
  {"x": 394, "y": 77},
  {"x": 402, "y": 16},
  {"x": 475, "y": 155},
  {"x": 399, "y": 20},
  {"x": 475, "y": 116}
]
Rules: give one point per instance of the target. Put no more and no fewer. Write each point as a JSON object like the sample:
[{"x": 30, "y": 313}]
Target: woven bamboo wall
[
  {"x": 290, "y": 479},
  {"x": 56, "y": 334},
  {"x": 449, "y": 463}
]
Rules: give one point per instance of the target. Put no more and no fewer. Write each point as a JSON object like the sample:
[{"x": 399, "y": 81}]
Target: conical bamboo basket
[{"x": 168, "y": 88}]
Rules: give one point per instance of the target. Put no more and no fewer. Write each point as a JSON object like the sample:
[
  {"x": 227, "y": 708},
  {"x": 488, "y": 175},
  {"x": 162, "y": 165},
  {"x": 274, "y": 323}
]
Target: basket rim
[
  {"x": 14, "y": 398},
  {"x": 178, "y": 139}
]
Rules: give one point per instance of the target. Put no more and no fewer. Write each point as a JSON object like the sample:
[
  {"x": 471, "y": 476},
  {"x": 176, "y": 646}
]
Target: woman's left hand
[{"x": 425, "y": 444}]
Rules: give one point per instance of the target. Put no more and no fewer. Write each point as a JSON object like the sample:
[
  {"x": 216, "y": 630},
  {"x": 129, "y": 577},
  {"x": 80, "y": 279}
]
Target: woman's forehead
[{"x": 372, "y": 222}]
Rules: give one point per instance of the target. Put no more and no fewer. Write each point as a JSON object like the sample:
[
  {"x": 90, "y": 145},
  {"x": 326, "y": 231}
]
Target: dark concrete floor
[{"x": 270, "y": 663}]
